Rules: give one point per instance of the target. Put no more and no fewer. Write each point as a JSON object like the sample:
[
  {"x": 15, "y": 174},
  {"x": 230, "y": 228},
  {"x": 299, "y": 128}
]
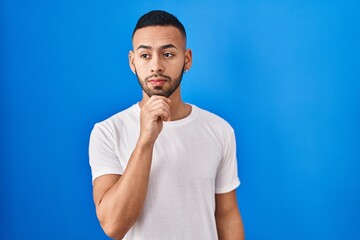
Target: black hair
[{"x": 159, "y": 18}]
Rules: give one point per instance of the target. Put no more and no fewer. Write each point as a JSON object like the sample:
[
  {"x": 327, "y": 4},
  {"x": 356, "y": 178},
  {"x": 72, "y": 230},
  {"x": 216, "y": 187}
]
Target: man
[{"x": 164, "y": 169}]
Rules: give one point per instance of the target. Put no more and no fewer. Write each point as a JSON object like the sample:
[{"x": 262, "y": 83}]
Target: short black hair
[{"x": 159, "y": 18}]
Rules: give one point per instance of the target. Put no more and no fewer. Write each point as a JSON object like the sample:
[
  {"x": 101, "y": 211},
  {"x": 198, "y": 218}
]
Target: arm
[
  {"x": 228, "y": 220},
  {"x": 119, "y": 199}
]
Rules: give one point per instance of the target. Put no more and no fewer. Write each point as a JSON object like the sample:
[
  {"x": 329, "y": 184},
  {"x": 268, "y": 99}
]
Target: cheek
[
  {"x": 176, "y": 66},
  {"x": 139, "y": 64},
  {"x": 140, "y": 74},
  {"x": 180, "y": 68},
  {"x": 140, "y": 67}
]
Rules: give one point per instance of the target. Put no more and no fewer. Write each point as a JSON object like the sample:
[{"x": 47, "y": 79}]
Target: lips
[{"x": 157, "y": 81}]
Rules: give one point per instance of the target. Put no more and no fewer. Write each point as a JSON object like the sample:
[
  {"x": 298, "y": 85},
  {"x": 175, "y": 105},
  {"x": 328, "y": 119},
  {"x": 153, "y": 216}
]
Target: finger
[
  {"x": 161, "y": 112},
  {"x": 159, "y": 103},
  {"x": 162, "y": 105},
  {"x": 156, "y": 98}
]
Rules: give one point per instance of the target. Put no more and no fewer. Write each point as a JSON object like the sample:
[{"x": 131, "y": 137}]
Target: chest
[{"x": 188, "y": 157}]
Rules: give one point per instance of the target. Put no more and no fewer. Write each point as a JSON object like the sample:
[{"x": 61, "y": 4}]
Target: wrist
[{"x": 145, "y": 143}]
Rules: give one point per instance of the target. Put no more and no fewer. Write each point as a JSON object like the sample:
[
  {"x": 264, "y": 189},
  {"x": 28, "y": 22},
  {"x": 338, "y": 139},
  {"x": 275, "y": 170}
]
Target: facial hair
[{"x": 160, "y": 90}]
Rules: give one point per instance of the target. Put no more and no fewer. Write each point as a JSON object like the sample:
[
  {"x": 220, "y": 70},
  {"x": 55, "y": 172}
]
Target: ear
[
  {"x": 188, "y": 59},
  {"x": 131, "y": 61}
]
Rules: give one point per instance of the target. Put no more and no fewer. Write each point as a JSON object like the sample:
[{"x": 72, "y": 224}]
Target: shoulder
[
  {"x": 121, "y": 119},
  {"x": 212, "y": 119},
  {"x": 215, "y": 127}
]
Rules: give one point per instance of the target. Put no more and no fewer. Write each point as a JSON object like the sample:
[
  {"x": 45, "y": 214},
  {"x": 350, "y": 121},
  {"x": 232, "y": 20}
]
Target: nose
[{"x": 157, "y": 65}]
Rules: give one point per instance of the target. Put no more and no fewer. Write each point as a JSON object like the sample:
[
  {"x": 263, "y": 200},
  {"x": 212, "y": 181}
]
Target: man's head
[
  {"x": 159, "y": 56},
  {"x": 159, "y": 18}
]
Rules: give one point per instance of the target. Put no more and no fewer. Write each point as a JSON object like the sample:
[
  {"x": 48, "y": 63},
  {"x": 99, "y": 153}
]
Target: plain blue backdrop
[{"x": 285, "y": 74}]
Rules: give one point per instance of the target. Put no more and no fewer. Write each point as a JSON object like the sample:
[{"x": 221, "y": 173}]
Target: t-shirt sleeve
[
  {"x": 102, "y": 152},
  {"x": 227, "y": 175}
]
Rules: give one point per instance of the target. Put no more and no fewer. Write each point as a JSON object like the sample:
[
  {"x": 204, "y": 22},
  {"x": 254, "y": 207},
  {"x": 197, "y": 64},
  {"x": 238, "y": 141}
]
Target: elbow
[
  {"x": 113, "y": 230},
  {"x": 116, "y": 228},
  {"x": 116, "y": 225}
]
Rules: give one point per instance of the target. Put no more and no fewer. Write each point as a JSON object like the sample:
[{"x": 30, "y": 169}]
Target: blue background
[{"x": 285, "y": 74}]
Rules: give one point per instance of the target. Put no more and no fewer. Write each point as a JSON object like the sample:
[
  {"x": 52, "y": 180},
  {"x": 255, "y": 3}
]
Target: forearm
[
  {"x": 230, "y": 226},
  {"x": 119, "y": 199},
  {"x": 121, "y": 205}
]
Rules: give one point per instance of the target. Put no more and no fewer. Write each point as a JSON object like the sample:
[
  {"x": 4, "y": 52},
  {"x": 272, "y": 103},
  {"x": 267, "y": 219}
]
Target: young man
[{"x": 164, "y": 169}]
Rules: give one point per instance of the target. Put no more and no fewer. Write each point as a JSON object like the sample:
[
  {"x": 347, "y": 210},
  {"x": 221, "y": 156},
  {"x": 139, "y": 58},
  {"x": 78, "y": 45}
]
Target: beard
[{"x": 166, "y": 90}]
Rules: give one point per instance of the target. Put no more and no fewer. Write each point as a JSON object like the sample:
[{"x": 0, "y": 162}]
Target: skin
[{"x": 158, "y": 58}]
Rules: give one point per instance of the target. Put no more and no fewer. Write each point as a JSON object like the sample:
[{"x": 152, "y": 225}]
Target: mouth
[{"x": 157, "y": 81}]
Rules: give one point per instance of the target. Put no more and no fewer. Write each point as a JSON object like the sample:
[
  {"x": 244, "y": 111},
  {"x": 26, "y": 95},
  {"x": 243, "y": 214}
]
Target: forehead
[{"x": 156, "y": 36}]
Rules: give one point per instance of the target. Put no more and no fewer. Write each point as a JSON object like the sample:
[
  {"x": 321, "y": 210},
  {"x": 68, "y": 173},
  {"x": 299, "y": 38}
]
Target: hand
[{"x": 153, "y": 113}]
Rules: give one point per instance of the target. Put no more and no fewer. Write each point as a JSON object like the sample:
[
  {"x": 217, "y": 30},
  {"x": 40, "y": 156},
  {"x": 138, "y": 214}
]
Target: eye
[
  {"x": 144, "y": 55},
  {"x": 168, "y": 55}
]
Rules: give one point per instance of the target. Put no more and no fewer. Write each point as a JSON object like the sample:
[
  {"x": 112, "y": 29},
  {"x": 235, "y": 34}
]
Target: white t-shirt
[{"x": 194, "y": 158}]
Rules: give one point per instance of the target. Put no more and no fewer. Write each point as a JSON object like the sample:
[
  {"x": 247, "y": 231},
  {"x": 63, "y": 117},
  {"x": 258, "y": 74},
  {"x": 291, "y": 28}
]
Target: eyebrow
[{"x": 166, "y": 46}]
